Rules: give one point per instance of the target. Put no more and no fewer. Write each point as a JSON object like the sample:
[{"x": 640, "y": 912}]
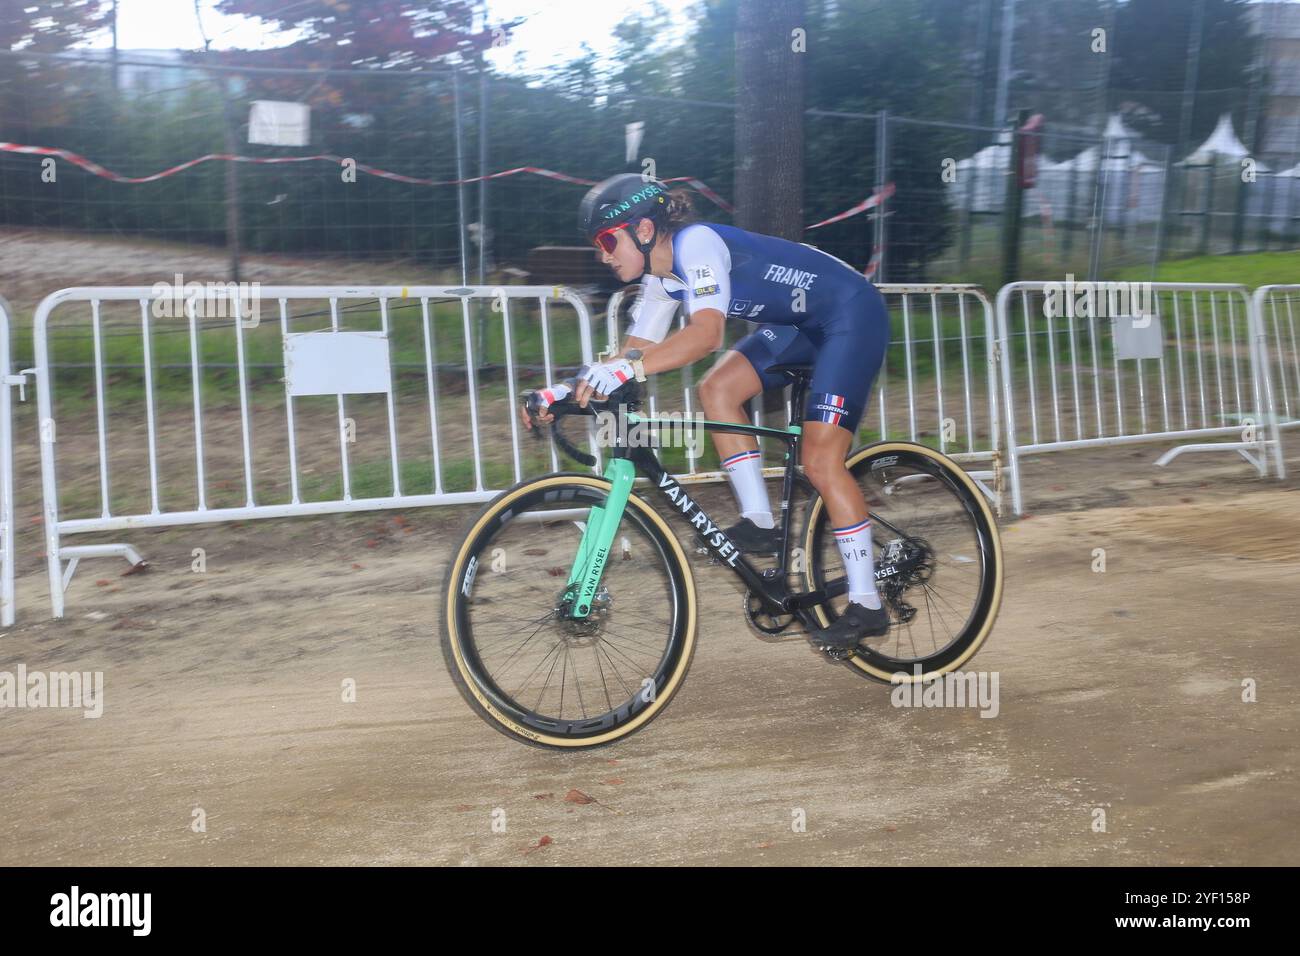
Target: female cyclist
[{"x": 815, "y": 310}]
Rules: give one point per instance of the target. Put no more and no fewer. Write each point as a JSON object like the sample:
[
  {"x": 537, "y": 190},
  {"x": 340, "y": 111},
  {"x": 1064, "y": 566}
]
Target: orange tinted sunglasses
[{"x": 607, "y": 239}]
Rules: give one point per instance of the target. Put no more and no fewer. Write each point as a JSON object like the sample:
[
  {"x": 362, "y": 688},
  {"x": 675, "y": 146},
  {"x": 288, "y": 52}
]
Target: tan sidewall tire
[
  {"x": 452, "y": 641},
  {"x": 815, "y": 512}
]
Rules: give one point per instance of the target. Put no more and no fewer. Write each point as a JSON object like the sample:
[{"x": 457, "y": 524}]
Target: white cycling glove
[
  {"x": 607, "y": 376},
  {"x": 544, "y": 397}
]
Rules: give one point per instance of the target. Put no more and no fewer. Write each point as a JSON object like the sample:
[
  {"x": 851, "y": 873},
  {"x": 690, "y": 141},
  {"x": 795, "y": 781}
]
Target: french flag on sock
[
  {"x": 743, "y": 456},
  {"x": 852, "y": 529}
]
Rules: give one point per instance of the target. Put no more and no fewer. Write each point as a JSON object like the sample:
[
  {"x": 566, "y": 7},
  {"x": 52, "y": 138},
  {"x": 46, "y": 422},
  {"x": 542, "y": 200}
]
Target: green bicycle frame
[
  {"x": 603, "y": 521},
  {"x": 598, "y": 537}
]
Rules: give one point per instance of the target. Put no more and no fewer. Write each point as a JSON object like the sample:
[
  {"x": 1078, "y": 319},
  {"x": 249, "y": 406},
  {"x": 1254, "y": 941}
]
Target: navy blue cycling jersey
[
  {"x": 815, "y": 310},
  {"x": 749, "y": 276}
]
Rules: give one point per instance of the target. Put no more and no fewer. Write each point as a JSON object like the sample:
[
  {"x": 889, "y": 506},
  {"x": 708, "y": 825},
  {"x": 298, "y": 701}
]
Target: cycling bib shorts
[{"x": 815, "y": 309}]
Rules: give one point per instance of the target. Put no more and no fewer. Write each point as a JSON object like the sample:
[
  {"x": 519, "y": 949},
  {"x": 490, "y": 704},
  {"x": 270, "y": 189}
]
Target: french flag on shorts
[{"x": 830, "y": 409}]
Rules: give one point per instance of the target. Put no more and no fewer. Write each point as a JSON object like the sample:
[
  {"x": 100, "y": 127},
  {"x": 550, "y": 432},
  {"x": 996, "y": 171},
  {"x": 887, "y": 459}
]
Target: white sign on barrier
[
  {"x": 1137, "y": 336},
  {"x": 328, "y": 362},
  {"x": 1063, "y": 377},
  {"x": 336, "y": 363}
]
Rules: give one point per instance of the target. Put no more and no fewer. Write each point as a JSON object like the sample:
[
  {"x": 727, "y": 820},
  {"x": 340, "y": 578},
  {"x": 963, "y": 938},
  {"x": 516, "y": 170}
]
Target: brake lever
[
  {"x": 526, "y": 398},
  {"x": 630, "y": 394},
  {"x": 568, "y": 408}
]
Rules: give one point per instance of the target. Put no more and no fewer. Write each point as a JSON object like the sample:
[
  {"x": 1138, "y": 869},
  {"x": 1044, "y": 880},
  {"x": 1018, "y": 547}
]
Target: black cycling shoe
[
  {"x": 855, "y": 624},
  {"x": 752, "y": 539}
]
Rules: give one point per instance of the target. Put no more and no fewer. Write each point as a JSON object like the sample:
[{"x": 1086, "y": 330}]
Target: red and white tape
[
  {"x": 92, "y": 167},
  {"x": 875, "y": 199}
]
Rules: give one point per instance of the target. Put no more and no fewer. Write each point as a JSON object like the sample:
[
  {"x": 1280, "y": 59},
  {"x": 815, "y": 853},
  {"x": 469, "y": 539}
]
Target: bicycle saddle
[{"x": 796, "y": 371}]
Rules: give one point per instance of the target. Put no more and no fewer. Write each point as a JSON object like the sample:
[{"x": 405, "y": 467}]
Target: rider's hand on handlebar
[
  {"x": 537, "y": 407},
  {"x": 600, "y": 380}
]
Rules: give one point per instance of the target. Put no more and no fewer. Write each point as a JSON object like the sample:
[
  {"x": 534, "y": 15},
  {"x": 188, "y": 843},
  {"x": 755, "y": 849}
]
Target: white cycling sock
[
  {"x": 855, "y": 550},
  {"x": 746, "y": 473}
]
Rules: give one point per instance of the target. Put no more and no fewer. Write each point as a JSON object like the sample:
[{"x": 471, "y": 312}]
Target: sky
[{"x": 554, "y": 31}]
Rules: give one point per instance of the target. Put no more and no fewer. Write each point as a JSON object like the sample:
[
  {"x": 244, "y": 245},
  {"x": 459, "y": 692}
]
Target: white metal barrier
[
  {"x": 7, "y": 380},
  {"x": 1211, "y": 377},
  {"x": 317, "y": 361},
  {"x": 1276, "y": 308},
  {"x": 945, "y": 359},
  {"x": 1204, "y": 373}
]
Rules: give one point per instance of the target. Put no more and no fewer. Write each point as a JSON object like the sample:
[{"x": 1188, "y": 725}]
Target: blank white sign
[
  {"x": 279, "y": 123},
  {"x": 336, "y": 363},
  {"x": 1138, "y": 336}
]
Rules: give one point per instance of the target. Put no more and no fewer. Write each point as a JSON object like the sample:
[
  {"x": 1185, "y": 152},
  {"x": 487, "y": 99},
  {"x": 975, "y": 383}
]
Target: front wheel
[
  {"x": 937, "y": 560},
  {"x": 517, "y": 654}
]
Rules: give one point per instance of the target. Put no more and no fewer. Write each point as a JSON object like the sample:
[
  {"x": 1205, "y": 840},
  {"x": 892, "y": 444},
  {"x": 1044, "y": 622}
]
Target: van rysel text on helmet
[{"x": 622, "y": 207}]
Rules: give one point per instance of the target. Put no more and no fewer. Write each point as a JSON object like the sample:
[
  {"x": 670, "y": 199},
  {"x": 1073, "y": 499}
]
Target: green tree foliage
[
  {"x": 1151, "y": 61},
  {"x": 901, "y": 56},
  {"x": 377, "y": 33},
  {"x": 33, "y": 91},
  {"x": 51, "y": 25},
  {"x": 920, "y": 59}
]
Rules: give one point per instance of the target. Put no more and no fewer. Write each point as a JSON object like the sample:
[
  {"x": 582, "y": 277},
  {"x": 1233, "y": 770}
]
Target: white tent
[
  {"x": 1222, "y": 145},
  {"x": 1277, "y": 196},
  {"x": 1134, "y": 182},
  {"x": 1274, "y": 196},
  {"x": 980, "y": 178},
  {"x": 1115, "y": 129},
  {"x": 1120, "y": 157}
]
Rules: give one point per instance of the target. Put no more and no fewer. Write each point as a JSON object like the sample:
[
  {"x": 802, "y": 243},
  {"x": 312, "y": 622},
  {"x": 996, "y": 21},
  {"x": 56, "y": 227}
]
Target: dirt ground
[
  {"x": 1120, "y": 693},
  {"x": 1120, "y": 699},
  {"x": 35, "y": 262}
]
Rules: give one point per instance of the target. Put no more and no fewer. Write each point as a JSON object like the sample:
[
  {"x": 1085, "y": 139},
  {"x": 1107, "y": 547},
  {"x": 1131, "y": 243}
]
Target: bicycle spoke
[
  {"x": 577, "y": 686},
  {"x": 536, "y": 668},
  {"x": 600, "y": 668},
  {"x": 617, "y": 673},
  {"x": 511, "y": 658},
  {"x": 620, "y": 654},
  {"x": 608, "y": 629},
  {"x": 547, "y": 682}
]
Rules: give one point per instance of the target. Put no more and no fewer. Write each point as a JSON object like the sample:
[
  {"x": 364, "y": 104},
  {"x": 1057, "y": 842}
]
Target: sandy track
[
  {"x": 35, "y": 262},
  {"x": 1119, "y": 691}
]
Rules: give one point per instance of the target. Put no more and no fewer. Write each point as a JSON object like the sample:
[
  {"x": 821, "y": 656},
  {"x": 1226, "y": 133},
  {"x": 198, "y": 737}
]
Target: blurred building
[
  {"x": 1278, "y": 26},
  {"x": 161, "y": 73}
]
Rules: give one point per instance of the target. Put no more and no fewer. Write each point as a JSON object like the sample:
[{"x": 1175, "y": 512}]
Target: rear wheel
[
  {"x": 522, "y": 661},
  {"x": 938, "y": 561}
]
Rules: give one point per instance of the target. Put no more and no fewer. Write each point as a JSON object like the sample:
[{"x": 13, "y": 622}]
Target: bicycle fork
[{"x": 598, "y": 538}]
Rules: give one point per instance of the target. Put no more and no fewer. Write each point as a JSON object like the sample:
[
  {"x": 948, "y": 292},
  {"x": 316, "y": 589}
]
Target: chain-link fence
[{"x": 457, "y": 176}]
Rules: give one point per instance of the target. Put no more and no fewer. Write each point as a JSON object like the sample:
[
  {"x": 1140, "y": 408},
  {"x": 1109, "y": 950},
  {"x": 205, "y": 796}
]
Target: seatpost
[{"x": 797, "y": 393}]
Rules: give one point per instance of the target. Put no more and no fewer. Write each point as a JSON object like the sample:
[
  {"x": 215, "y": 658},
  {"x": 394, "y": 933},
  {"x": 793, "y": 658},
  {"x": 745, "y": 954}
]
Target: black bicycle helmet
[{"x": 627, "y": 197}]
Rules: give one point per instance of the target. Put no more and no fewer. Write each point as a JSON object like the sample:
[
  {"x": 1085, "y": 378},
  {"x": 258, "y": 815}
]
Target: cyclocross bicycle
[{"x": 570, "y": 611}]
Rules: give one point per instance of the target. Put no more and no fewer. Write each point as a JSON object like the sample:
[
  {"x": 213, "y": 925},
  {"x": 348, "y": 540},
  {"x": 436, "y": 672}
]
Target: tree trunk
[
  {"x": 769, "y": 125},
  {"x": 769, "y": 117},
  {"x": 232, "y": 179}
]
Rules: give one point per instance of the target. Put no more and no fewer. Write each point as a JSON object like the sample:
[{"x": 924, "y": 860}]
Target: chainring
[{"x": 761, "y": 619}]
